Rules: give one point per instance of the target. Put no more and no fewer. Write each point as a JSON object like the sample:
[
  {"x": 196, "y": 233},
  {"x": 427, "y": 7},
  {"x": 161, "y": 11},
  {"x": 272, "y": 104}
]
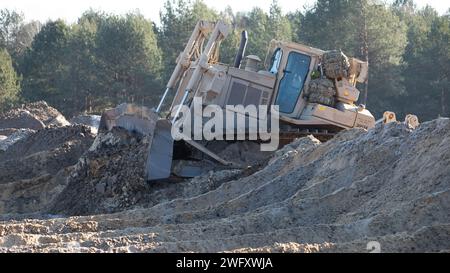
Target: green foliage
[
  {"x": 279, "y": 25},
  {"x": 295, "y": 19},
  {"x": 99, "y": 62},
  {"x": 178, "y": 20},
  {"x": 365, "y": 30},
  {"x": 386, "y": 44},
  {"x": 10, "y": 22},
  {"x": 15, "y": 35},
  {"x": 263, "y": 27},
  {"x": 9, "y": 83},
  {"x": 103, "y": 60},
  {"x": 256, "y": 23},
  {"x": 427, "y": 66},
  {"x": 131, "y": 67},
  {"x": 46, "y": 66}
]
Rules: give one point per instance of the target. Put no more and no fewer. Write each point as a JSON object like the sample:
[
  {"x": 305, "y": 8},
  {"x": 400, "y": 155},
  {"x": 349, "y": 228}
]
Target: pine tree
[
  {"x": 9, "y": 82},
  {"x": 369, "y": 31}
]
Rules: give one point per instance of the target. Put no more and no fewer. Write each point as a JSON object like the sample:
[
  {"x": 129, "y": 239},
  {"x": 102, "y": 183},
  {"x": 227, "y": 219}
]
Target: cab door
[{"x": 293, "y": 81}]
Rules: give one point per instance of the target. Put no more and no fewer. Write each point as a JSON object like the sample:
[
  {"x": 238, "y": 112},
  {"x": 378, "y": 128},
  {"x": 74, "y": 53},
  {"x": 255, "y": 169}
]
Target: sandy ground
[{"x": 389, "y": 185}]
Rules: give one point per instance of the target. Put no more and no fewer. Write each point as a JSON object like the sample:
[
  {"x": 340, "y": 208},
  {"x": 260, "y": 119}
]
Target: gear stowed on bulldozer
[{"x": 314, "y": 90}]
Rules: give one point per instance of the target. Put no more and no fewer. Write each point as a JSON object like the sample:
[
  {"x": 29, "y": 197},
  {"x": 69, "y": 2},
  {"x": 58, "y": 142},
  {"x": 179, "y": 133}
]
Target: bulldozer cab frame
[{"x": 293, "y": 64}]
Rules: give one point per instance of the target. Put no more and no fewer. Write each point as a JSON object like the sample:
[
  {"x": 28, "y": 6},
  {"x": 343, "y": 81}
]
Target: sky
[{"x": 70, "y": 10}]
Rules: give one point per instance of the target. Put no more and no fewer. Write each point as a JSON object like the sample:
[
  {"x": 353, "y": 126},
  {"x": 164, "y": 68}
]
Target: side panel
[
  {"x": 241, "y": 92},
  {"x": 262, "y": 79},
  {"x": 344, "y": 117},
  {"x": 247, "y": 88},
  {"x": 365, "y": 120}
]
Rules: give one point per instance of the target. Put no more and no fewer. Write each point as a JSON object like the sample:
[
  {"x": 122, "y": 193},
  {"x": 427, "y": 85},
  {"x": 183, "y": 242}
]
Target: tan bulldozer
[{"x": 314, "y": 92}]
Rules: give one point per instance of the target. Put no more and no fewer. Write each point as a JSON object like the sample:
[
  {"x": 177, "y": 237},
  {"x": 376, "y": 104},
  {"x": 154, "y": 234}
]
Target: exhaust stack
[{"x": 241, "y": 51}]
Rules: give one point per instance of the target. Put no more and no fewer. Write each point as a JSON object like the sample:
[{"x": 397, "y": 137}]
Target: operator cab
[{"x": 292, "y": 64}]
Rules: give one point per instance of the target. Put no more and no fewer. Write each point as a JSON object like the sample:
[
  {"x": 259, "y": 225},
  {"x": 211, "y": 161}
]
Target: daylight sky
[{"x": 70, "y": 10}]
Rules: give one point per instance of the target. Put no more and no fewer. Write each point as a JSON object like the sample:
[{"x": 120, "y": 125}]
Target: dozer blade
[
  {"x": 159, "y": 160},
  {"x": 145, "y": 121}
]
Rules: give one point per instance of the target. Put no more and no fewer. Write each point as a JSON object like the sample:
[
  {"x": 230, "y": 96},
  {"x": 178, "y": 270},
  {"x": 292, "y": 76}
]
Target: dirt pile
[
  {"x": 34, "y": 116},
  {"x": 389, "y": 185},
  {"x": 19, "y": 118},
  {"x": 33, "y": 169},
  {"x": 10, "y": 136},
  {"x": 110, "y": 178},
  {"x": 34, "y": 164},
  {"x": 45, "y": 113}
]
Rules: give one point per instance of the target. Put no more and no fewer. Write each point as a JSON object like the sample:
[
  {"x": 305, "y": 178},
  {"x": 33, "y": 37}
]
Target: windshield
[{"x": 294, "y": 78}]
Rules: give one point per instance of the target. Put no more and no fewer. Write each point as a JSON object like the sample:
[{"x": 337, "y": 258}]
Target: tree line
[{"x": 104, "y": 59}]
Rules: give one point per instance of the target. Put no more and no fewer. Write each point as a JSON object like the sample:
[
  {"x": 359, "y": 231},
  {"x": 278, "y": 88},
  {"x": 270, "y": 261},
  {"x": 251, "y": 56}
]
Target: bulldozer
[{"x": 313, "y": 91}]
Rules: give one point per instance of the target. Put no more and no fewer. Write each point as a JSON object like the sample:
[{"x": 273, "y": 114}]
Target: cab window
[
  {"x": 275, "y": 61},
  {"x": 293, "y": 81}
]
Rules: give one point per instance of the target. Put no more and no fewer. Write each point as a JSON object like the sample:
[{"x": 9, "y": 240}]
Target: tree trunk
[
  {"x": 443, "y": 106},
  {"x": 88, "y": 103},
  {"x": 366, "y": 90},
  {"x": 365, "y": 50}
]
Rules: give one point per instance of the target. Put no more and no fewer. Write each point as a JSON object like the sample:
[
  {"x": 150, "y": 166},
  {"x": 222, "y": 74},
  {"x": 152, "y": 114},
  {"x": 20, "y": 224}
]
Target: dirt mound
[
  {"x": 45, "y": 113},
  {"x": 389, "y": 185},
  {"x": 110, "y": 178},
  {"x": 20, "y": 118},
  {"x": 34, "y": 116},
  {"x": 12, "y": 136},
  {"x": 34, "y": 168}
]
